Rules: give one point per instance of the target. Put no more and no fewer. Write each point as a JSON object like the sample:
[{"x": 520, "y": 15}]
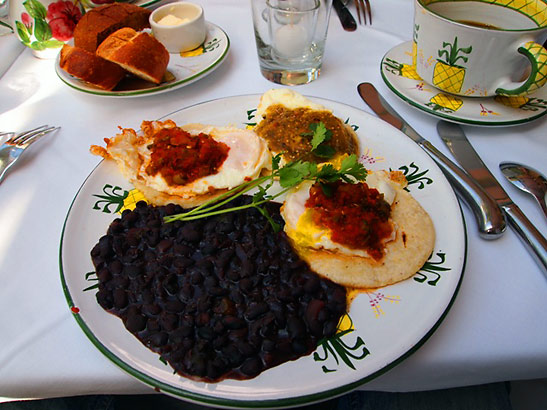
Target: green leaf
[
  {"x": 42, "y": 31},
  {"x": 53, "y": 43},
  {"x": 295, "y": 172},
  {"x": 23, "y": 32},
  {"x": 327, "y": 190},
  {"x": 37, "y": 45},
  {"x": 275, "y": 162},
  {"x": 320, "y": 134},
  {"x": 350, "y": 165},
  {"x": 35, "y": 9},
  {"x": 324, "y": 151}
]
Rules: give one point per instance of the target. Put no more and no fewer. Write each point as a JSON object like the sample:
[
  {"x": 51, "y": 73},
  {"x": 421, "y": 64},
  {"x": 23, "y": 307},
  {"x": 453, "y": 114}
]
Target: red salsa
[
  {"x": 181, "y": 158},
  {"x": 358, "y": 216}
]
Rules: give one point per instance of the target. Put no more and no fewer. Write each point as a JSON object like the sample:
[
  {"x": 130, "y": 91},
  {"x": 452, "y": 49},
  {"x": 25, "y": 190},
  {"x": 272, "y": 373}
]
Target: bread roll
[
  {"x": 139, "y": 53},
  {"x": 98, "y": 23},
  {"x": 90, "y": 68}
]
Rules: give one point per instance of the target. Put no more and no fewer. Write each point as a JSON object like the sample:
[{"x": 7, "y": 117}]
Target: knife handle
[
  {"x": 347, "y": 20},
  {"x": 490, "y": 218},
  {"x": 532, "y": 238}
]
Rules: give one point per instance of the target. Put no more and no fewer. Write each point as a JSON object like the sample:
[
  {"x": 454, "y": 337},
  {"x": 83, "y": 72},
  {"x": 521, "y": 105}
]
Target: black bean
[
  {"x": 169, "y": 321},
  {"x": 174, "y": 306},
  {"x": 104, "y": 298},
  {"x": 206, "y": 333},
  {"x": 115, "y": 267},
  {"x": 164, "y": 245},
  {"x": 190, "y": 233},
  {"x": 255, "y": 310},
  {"x": 135, "y": 322},
  {"x": 151, "y": 309},
  {"x": 252, "y": 366},
  {"x": 233, "y": 322},
  {"x": 296, "y": 327},
  {"x": 119, "y": 297},
  {"x": 104, "y": 275}
]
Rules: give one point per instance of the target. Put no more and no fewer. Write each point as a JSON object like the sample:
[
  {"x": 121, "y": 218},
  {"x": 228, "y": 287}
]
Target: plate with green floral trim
[
  {"x": 183, "y": 69},
  {"x": 401, "y": 77},
  {"x": 382, "y": 326}
]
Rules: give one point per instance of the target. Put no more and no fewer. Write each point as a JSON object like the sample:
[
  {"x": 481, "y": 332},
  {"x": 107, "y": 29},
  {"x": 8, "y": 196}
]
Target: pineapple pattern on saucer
[{"x": 446, "y": 103}]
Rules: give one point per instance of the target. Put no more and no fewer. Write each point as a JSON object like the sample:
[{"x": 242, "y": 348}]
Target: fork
[
  {"x": 363, "y": 10},
  {"x": 14, "y": 146}
]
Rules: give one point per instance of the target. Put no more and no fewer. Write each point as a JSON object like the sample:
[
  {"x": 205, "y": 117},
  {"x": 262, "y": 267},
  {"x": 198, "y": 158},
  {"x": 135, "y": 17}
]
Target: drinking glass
[{"x": 290, "y": 38}]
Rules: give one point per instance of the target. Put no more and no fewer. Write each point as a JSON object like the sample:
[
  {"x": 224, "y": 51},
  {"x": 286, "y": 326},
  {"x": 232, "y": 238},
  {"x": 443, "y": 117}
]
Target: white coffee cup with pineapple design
[{"x": 481, "y": 48}]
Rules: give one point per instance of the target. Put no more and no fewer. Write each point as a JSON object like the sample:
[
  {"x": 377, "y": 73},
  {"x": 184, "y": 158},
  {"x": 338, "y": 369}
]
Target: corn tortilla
[{"x": 405, "y": 255}]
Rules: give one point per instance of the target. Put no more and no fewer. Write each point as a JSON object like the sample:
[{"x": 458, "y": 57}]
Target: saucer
[{"x": 400, "y": 76}]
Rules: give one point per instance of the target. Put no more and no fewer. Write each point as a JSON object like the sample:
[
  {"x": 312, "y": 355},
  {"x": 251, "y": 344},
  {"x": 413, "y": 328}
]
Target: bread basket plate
[
  {"x": 183, "y": 69},
  {"x": 145, "y": 3},
  {"x": 382, "y": 328}
]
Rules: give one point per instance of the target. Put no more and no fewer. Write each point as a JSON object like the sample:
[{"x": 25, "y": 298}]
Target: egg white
[{"x": 287, "y": 98}]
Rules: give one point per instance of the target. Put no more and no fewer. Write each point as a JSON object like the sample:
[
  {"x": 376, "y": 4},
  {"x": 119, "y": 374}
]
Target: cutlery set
[
  {"x": 475, "y": 184},
  {"x": 15, "y": 144},
  {"x": 362, "y": 7}
]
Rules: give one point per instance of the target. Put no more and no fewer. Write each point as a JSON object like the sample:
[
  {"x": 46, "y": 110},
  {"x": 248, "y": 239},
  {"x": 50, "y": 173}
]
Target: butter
[{"x": 171, "y": 20}]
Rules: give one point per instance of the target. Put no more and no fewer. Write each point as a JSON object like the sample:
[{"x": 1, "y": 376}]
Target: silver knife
[
  {"x": 490, "y": 218},
  {"x": 458, "y": 144}
]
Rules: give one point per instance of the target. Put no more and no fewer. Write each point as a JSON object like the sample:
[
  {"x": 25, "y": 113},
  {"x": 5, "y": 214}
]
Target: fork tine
[
  {"x": 363, "y": 8},
  {"x": 29, "y": 138},
  {"x": 18, "y": 137},
  {"x": 358, "y": 10},
  {"x": 369, "y": 11}
]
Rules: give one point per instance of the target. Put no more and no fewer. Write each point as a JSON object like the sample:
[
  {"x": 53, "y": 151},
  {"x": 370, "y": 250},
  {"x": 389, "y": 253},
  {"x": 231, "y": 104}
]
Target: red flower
[
  {"x": 27, "y": 20},
  {"x": 62, "y": 17}
]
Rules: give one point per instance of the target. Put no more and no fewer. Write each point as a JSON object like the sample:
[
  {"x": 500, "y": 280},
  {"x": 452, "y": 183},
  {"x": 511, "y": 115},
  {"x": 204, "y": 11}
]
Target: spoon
[{"x": 527, "y": 179}]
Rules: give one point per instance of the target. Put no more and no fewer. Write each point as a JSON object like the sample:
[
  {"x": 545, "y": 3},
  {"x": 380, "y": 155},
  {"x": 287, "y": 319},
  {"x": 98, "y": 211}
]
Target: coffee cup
[
  {"x": 44, "y": 25},
  {"x": 481, "y": 48}
]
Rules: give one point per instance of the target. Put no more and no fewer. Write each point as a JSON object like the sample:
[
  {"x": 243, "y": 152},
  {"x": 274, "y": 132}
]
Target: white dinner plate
[
  {"x": 185, "y": 68},
  {"x": 383, "y": 326},
  {"x": 401, "y": 77}
]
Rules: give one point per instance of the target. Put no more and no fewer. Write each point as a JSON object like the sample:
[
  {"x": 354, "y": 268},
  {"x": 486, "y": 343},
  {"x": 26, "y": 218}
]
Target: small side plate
[{"x": 183, "y": 69}]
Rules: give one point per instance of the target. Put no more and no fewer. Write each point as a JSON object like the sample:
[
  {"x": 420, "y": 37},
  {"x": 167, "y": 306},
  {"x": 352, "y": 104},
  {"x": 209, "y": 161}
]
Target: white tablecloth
[{"x": 496, "y": 329}]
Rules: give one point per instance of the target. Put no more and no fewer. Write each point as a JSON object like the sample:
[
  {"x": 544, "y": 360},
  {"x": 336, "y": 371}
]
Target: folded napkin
[{"x": 10, "y": 48}]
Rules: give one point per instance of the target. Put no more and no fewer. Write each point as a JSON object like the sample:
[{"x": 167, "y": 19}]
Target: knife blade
[
  {"x": 458, "y": 144},
  {"x": 345, "y": 16},
  {"x": 490, "y": 219}
]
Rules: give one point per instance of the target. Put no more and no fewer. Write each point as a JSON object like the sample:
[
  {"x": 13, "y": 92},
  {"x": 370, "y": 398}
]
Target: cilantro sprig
[
  {"x": 320, "y": 135},
  {"x": 289, "y": 176}
]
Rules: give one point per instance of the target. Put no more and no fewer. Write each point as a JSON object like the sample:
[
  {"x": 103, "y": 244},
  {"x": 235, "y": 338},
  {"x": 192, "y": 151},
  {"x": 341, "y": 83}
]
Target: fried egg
[
  {"x": 288, "y": 98},
  {"x": 247, "y": 156},
  {"x": 305, "y": 233}
]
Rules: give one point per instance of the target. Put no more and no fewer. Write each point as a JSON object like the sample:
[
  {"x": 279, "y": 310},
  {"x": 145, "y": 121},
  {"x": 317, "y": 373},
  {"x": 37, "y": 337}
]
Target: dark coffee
[{"x": 478, "y": 24}]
